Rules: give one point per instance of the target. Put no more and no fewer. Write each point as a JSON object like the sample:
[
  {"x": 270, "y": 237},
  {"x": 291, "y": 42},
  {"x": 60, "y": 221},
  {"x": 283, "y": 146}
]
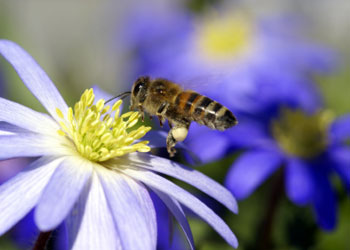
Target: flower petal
[
  {"x": 216, "y": 143},
  {"x": 128, "y": 215},
  {"x": 146, "y": 204},
  {"x": 191, "y": 176},
  {"x": 340, "y": 130},
  {"x": 33, "y": 76},
  {"x": 340, "y": 158},
  {"x": 24, "y": 145},
  {"x": 90, "y": 224},
  {"x": 21, "y": 193},
  {"x": 61, "y": 192},
  {"x": 248, "y": 134},
  {"x": 26, "y": 118},
  {"x": 179, "y": 214},
  {"x": 324, "y": 200},
  {"x": 10, "y": 168},
  {"x": 299, "y": 182},
  {"x": 10, "y": 129},
  {"x": 250, "y": 170},
  {"x": 159, "y": 183}
]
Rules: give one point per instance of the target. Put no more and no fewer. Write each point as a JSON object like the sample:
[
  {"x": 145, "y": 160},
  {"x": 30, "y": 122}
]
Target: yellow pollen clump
[
  {"x": 224, "y": 37},
  {"x": 98, "y": 132}
]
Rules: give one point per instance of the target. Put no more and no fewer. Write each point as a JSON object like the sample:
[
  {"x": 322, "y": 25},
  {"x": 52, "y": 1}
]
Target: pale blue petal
[
  {"x": 62, "y": 192},
  {"x": 250, "y": 170},
  {"x": 179, "y": 214},
  {"x": 147, "y": 206},
  {"x": 26, "y": 118},
  {"x": 299, "y": 182},
  {"x": 21, "y": 193},
  {"x": 24, "y": 145},
  {"x": 157, "y": 182},
  {"x": 191, "y": 176},
  {"x": 10, "y": 129},
  {"x": 126, "y": 210},
  {"x": 90, "y": 224},
  {"x": 34, "y": 77}
]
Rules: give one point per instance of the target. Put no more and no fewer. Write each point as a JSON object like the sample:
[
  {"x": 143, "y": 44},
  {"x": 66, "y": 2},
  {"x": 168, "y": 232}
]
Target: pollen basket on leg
[{"x": 99, "y": 132}]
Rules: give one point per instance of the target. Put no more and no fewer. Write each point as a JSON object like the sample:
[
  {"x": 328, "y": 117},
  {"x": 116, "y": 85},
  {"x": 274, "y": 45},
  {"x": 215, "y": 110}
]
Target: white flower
[{"x": 88, "y": 172}]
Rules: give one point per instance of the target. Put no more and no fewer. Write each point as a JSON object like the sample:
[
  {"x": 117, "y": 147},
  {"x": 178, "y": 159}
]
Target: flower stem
[
  {"x": 42, "y": 240},
  {"x": 270, "y": 213}
]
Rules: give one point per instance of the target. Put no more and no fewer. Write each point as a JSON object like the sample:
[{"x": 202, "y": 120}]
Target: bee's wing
[{"x": 201, "y": 83}]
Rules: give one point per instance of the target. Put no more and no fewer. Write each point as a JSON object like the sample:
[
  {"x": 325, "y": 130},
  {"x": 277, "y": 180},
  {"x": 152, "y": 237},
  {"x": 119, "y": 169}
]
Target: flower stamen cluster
[
  {"x": 300, "y": 134},
  {"x": 98, "y": 132},
  {"x": 225, "y": 37}
]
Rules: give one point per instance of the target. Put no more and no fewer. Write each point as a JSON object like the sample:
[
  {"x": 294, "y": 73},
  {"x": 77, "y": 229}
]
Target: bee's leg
[
  {"x": 161, "y": 120},
  {"x": 161, "y": 112},
  {"x": 176, "y": 134},
  {"x": 142, "y": 113},
  {"x": 170, "y": 124}
]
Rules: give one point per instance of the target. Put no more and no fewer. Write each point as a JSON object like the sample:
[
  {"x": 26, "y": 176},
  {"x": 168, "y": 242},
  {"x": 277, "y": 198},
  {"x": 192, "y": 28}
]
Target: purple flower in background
[
  {"x": 229, "y": 55},
  {"x": 309, "y": 144},
  {"x": 226, "y": 44},
  {"x": 88, "y": 174},
  {"x": 260, "y": 68}
]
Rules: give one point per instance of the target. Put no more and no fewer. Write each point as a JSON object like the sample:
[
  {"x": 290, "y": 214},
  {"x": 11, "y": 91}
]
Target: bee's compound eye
[{"x": 137, "y": 88}]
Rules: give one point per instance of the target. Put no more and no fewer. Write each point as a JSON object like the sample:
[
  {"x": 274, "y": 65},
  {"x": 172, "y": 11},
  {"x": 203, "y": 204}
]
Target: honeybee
[{"x": 168, "y": 101}]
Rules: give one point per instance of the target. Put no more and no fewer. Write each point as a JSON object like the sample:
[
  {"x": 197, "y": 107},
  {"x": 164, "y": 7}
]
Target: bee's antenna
[{"x": 122, "y": 96}]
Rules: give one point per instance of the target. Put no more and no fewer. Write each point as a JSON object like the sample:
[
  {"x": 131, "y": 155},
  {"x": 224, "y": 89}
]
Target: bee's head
[{"x": 139, "y": 91}]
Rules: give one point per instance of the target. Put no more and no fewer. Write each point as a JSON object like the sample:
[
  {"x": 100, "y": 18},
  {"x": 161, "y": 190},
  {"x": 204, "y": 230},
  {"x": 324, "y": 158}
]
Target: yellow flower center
[
  {"x": 300, "y": 134},
  {"x": 224, "y": 37},
  {"x": 98, "y": 132}
]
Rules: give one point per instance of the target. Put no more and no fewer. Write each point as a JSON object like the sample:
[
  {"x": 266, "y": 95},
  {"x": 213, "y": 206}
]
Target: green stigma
[
  {"x": 224, "y": 37},
  {"x": 99, "y": 133},
  {"x": 300, "y": 134}
]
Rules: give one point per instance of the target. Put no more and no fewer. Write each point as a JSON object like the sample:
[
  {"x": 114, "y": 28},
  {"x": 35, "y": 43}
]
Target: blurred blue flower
[
  {"x": 261, "y": 68},
  {"x": 228, "y": 54},
  {"x": 227, "y": 43},
  {"x": 311, "y": 147},
  {"x": 88, "y": 174}
]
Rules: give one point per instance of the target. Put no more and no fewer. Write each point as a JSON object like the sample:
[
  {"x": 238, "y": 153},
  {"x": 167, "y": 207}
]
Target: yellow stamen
[
  {"x": 97, "y": 133},
  {"x": 59, "y": 113},
  {"x": 300, "y": 134},
  {"x": 224, "y": 37}
]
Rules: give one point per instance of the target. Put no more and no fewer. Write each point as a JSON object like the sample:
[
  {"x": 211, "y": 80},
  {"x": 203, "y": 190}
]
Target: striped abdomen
[{"x": 205, "y": 111}]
